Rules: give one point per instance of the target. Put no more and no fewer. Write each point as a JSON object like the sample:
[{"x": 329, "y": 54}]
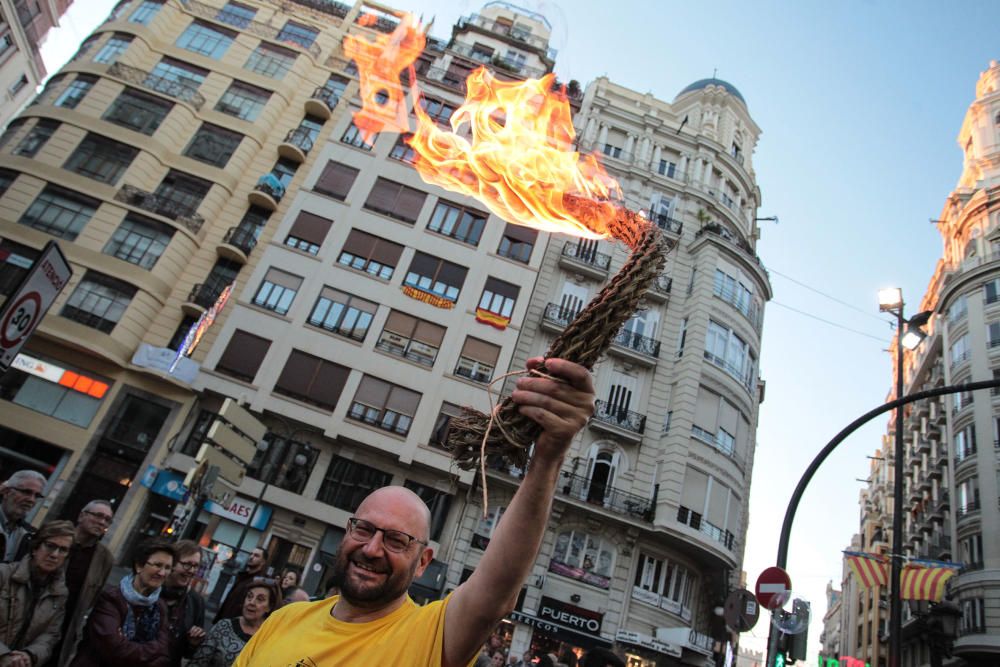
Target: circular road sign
[
  {"x": 773, "y": 586},
  {"x": 20, "y": 319},
  {"x": 741, "y": 610}
]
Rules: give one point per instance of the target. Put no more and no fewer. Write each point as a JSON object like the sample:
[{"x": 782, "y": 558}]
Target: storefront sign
[
  {"x": 427, "y": 297},
  {"x": 645, "y": 641},
  {"x": 575, "y": 617},
  {"x": 59, "y": 375},
  {"x": 166, "y": 483},
  {"x": 239, "y": 510},
  {"x": 579, "y": 573},
  {"x": 557, "y": 630}
]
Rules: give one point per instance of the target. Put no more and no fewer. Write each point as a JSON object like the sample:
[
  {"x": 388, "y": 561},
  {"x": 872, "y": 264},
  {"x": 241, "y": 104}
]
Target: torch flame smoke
[{"x": 519, "y": 162}]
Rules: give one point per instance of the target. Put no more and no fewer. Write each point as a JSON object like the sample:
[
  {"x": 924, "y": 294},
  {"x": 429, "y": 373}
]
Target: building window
[
  {"x": 312, "y": 380},
  {"x": 993, "y": 334},
  {"x": 959, "y": 350},
  {"x": 667, "y": 168},
  {"x": 334, "y": 89},
  {"x": 51, "y": 85},
  {"x": 460, "y": 223},
  {"x": 277, "y": 291},
  {"x": 517, "y": 243},
  {"x": 13, "y": 127},
  {"x": 437, "y": 502},
  {"x": 439, "y": 435},
  {"x": 271, "y": 61},
  {"x": 336, "y": 180},
  {"x": 236, "y": 14},
  {"x": 243, "y": 355},
  {"x": 99, "y": 301},
  {"x": 76, "y": 91},
  {"x": 208, "y": 40},
  {"x": 175, "y": 71},
  {"x": 15, "y": 261},
  {"x": 728, "y": 351},
  {"x": 342, "y": 313},
  {"x": 958, "y": 309},
  {"x": 139, "y": 241},
  {"x": 308, "y": 232},
  {"x": 59, "y": 212},
  {"x": 180, "y": 333},
  {"x": 101, "y": 158},
  {"x": 146, "y": 12},
  {"x": 582, "y": 556},
  {"x": 353, "y": 136},
  {"x": 298, "y": 34},
  {"x": 67, "y": 394},
  {"x": 486, "y": 526},
  {"x": 36, "y": 137},
  {"x": 438, "y": 111},
  {"x": 734, "y": 292},
  {"x": 213, "y": 145},
  {"x": 181, "y": 194},
  {"x": 437, "y": 276},
  {"x": 6, "y": 44},
  {"x": 277, "y": 463},
  {"x": 411, "y": 338},
  {"x": 664, "y": 584},
  {"x": 402, "y": 151},
  {"x": 7, "y": 179},
  {"x": 364, "y": 252},
  {"x": 243, "y": 101},
  {"x": 992, "y": 289},
  {"x": 138, "y": 111},
  {"x": 499, "y": 297},
  {"x": 113, "y": 48},
  {"x": 477, "y": 360},
  {"x": 965, "y": 443},
  {"x": 86, "y": 46},
  {"x": 384, "y": 405},
  {"x": 346, "y": 483},
  {"x": 395, "y": 200}
]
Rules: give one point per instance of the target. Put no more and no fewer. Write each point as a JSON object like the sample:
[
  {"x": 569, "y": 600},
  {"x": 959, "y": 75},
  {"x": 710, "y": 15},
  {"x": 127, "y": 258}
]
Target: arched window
[
  {"x": 602, "y": 466},
  {"x": 580, "y": 555}
]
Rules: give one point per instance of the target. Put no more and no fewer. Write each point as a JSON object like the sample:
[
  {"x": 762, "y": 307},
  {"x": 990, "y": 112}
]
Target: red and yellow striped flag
[
  {"x": 870, "y": 569},
  {"x": 922, "y": 582}
]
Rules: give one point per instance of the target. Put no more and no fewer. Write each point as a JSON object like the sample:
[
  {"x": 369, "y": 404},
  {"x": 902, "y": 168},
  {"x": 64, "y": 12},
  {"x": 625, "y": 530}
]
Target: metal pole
[
  {"x": 800, "y": 488},
  {"x": 895, "y": 603}
]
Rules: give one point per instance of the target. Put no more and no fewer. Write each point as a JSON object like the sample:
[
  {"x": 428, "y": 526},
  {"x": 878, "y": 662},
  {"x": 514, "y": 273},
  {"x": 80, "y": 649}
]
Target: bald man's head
[{"x": 405, "y": 502}]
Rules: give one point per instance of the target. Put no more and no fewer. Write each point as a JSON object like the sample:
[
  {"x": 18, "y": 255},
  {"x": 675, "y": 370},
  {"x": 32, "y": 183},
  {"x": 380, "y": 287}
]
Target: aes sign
[{"x": 571, "y": 616}]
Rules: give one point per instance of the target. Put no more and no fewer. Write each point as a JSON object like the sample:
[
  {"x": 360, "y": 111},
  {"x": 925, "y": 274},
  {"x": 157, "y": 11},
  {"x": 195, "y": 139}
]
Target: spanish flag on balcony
[
  {"x": 870, "y": 569},
  {"x": 495, "y": 320},
  {"x": 925, "y": 580}
]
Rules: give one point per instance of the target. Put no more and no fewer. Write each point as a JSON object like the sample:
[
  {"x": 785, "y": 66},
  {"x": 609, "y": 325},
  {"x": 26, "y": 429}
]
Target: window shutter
[
  {"x": 336, "y": 180},
  {"x": 520, "y": 233},
  {"x": 695, "y": 488},
  {"x": 409, "y": 203},
  {"x": 429, "y": 333},
  {"x": 329, "y": 382},
  {"x": 403, "y": 401},
  {"x": 360, "y": 243},
  {"x": 372, "y": 391},
  {"x": 386, "y": 252},
  {"x": 383, "y": 196},
  {"x": 706, "y": 411},
  {"x": 502, "y": 288},
  {"x": 400, "y": 323},
  {"x": 244, "y": 354},
  {"x": 481, "y": 351},
  {"x": 452, "y": 274},
  {"x": 423, "y": 264},
  {"x": 279, "y": 277},
  {"x": 310, "y": 227},
  {"x": 729, "y": 417},
  {"x": 297, "y": 373},
  {"x": 718, "y": 504}
]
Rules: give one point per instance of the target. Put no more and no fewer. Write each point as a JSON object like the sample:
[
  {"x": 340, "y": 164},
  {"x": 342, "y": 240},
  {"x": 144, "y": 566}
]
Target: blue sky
[{"x": 860, "y": 103}]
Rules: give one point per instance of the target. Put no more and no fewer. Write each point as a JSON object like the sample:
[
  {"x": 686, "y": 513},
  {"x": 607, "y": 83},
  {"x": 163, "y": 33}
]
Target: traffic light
[{"x": 796, "y": 644}]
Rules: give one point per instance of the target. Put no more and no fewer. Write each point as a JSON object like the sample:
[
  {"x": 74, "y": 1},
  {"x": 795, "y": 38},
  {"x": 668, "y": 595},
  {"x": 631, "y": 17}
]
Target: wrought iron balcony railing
[
  {"x": 963, "y": 454},
  {"x": 641, "y": 344},
  {"x": 969, "y": 508},
  {"x": 158, "y": 84},
  {"x": 270, "y": 185},
  {"x": 665, "y": 222},
  {"x": 587, "y": 255},
  {"x": 513, "y": 32},
  {"x": 180, "y": 211},
  {"x": 206, "y": 294},
  {"x": 691, "y": 518},
  {"x": 620, "y": 502},
  {"x": 663, "y": 284},
  {"x": 246, "y": 25},
  {"x": 301, "y": 138},
  {"x": 243, "y": 238},
  {"x": 444, "y": 77},
  {"x": 620, "y": 417},
  {"x": 330, "y": 7},
  {"x": 327, "y": 96},
  {"x": 558, "y": 314}
]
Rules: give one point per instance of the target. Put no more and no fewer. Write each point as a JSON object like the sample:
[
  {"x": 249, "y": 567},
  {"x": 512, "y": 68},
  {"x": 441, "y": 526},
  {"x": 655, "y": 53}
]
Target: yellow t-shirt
[{"x": 304, "y": 634}]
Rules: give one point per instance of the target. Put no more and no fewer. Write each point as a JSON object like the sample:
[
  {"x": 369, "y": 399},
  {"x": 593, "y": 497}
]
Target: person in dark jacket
[
  {"x": 20, "y": 494},
  {"x": 228, "y": 637},
  {"x": 256, "y": 567},
  {"x": 185, "y": 608},
  {"x": 34, "y": 598},
  {"x": 129, "y": 626}
]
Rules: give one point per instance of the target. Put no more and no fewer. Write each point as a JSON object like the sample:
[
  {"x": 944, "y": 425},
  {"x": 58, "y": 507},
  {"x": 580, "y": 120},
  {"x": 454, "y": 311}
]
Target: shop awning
[{"x": 652, "y": 643}]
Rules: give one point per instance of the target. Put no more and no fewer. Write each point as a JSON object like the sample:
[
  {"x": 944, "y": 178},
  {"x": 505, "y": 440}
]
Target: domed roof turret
[{"x": 704, "y": 83}]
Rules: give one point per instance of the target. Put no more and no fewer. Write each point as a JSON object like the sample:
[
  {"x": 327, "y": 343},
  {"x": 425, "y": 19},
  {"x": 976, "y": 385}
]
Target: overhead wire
[
  {"x": 829, "y": 296},
  {"x": 825, "y": 321}
]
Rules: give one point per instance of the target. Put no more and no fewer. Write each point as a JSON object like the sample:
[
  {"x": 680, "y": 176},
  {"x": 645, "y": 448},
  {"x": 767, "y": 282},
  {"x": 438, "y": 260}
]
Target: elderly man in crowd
[{"x": 20, "y": 493}]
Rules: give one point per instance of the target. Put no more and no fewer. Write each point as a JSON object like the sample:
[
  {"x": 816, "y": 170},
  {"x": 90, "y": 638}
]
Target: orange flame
[{"x": 519, "y": 162}]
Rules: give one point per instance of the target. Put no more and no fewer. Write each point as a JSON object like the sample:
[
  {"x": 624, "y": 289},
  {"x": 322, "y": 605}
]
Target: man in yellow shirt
[{"x": 373, "y": 622}]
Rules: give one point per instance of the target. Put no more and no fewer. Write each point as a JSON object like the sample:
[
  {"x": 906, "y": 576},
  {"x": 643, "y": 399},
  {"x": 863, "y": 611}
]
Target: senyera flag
[
  {"x": 925, "y": 580},
  {"x": 870, "y": 569}
]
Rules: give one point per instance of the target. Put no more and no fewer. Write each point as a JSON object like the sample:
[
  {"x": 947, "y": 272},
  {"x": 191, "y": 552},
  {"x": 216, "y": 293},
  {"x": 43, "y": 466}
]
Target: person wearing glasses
[
  {"x": 20, "y": 494},
  {"x": 373, "y": 621},
  {"x": 186, "y": 608},
  {"x": 87, "y": 569},
  {"x": 129, "y": 625},
  {"x": 34, "y": 598}
]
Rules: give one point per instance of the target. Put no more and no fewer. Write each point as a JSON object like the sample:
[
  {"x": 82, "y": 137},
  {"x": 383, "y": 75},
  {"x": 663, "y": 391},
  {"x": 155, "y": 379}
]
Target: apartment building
[
  {"x": 952, "y": 473},
  {"x": 832, "y": 624},
  {"x": 24, "y": 25}
]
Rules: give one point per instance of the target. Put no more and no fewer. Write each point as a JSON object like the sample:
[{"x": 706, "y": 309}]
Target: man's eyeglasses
[
  {"x": 31, "y": 493},
  {"x": 189, "y": 566},
  {"x": 54, "y": 548},
  {"x": 103, "y": 518},
  {"x": 393, "y": 540}
]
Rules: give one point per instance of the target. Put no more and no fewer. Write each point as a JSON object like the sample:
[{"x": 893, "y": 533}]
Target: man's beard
[{"x": 372, "y": 597}]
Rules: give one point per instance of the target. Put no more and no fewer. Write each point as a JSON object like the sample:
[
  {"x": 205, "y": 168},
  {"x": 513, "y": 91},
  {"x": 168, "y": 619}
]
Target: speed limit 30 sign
[{"x": 25, "y": 308}]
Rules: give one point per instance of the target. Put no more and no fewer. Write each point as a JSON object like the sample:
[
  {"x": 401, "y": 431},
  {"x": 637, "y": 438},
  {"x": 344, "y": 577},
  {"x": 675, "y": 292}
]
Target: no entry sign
[
  {"x": 25, "y": 308},
  {"x": 773, "y": 587}
]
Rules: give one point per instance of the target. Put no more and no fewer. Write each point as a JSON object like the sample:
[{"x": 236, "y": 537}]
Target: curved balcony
[
  {"x": 965, "y": 455},
  {"x": 201, "y": 297},
  {"x": 659, "y": 289},
  {"x": 620, "y": 502},
  {"x": 245, "y": 24},
  {"x": 584, "y": 258},
  {"x": 666, "y": 223},
  {"x": 267, "y": 193},
  {"x": 296, "y": 145},
  {"x": 158, "y": 84},
  {"x": 556, "y": 317},
  {"x": 635, "y": 347},
  {"x": 618, "y": 421},
  {"x": 967, "y": 510},
  {"x": 237, "y": 244},
  {"x": 695, "y": 520},
  {"x": 180, "y": 212},
  {"x": 322, "y": 103}
]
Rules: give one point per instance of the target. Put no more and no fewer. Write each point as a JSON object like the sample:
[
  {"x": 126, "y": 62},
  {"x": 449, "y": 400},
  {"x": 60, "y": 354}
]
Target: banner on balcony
[
  {"x": 870, "y": 569},
  {"x": 199, "y": 328},
  {"x": 495, "y": 320},
  {"x": 925, "y": 580},
  {"x": 427, "y": 297}
]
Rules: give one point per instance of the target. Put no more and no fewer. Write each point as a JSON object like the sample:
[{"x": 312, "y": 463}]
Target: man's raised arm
[{"x": 561, "y": 409}]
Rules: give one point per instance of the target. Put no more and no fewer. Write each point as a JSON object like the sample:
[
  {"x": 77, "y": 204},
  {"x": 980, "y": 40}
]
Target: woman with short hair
[
  {"x": 35, "y": 591},
  {"x": 225, "y": 641}
]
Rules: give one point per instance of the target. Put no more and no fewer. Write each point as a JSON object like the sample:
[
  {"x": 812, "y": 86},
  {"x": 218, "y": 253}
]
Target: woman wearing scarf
[
  {"x": 228, "y": 637},
  {"x": 34, "y": 593},
  {"x": 128, "y": 626}
]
